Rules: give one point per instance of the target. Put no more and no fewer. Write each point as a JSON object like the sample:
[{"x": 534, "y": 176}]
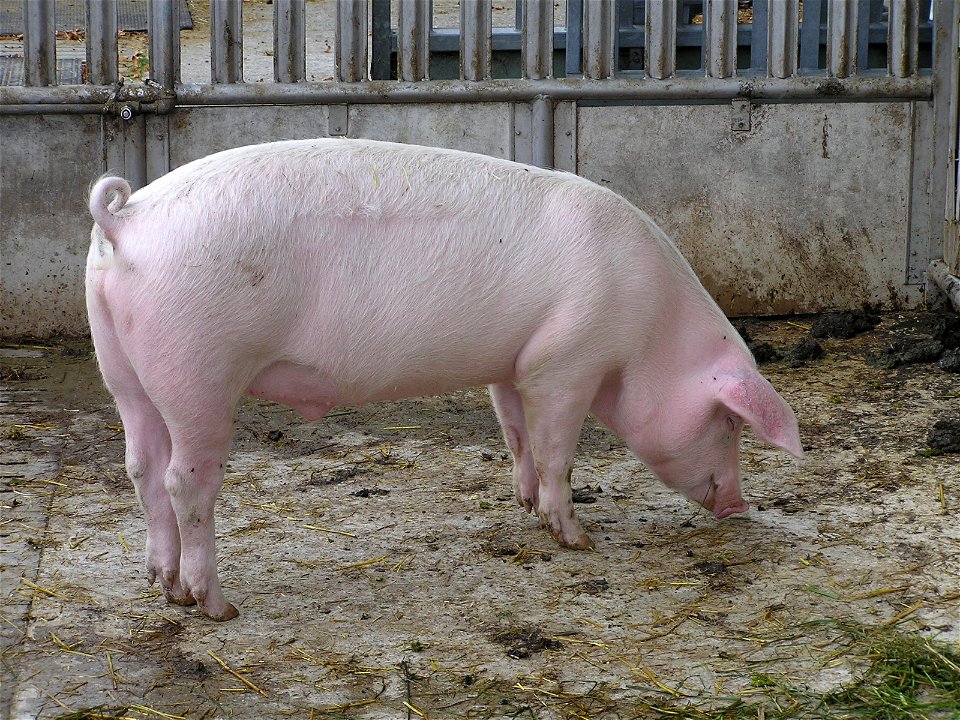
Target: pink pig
[{"x": 324, "y": 272}]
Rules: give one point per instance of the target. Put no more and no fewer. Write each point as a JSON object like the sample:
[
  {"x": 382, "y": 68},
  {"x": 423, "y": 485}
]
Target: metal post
[
  {"x": 475, "y": 39},
  {"x": 902, "y": 37},
  {"x": 599, "y": 39},
  {"x": 842, "y": 20},
  {"x": 810, "y": 34},
  {"x": 351, "y": 41},
  {"x": 573, "y": 59},
  {"x": 536, "y": 42},
  {"x": 720, "y": 38},
  {"x": 945, "y": 175},
  {"x": 102, "y": 67},
  {"x": 414, "y": 21},
  {"x": 39, "y": 43},
  {"x": 163, "y": 26},
  {"x": 782, "y": 38},
  {"x": 541, "y": 111},
  {"x": 660, "y": 25},
  {"x": 759, "y": 35},
  {"x": 289, "y": 41},
  {"x": 226, "y": 41},
  {"x": 380, "y": 35}
]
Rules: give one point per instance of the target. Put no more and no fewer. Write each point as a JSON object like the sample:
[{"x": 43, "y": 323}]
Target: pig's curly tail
[{"x": 107, "y": 197}]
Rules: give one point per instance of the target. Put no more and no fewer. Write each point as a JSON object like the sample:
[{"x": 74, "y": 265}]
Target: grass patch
[{"x": 908, "y": 677}]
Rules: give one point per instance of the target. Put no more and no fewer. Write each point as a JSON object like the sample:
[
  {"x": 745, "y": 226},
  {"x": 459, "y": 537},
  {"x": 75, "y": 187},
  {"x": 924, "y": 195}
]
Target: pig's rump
[{"x": 326, "y": 272}]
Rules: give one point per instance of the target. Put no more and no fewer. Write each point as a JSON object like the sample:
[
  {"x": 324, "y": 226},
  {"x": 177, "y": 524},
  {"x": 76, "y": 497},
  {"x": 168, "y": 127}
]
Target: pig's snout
[
  {"x": 739, "y": 507},
  {"x": 724, "y": 499}
]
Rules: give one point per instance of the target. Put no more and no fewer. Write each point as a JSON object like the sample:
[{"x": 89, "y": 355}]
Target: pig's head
[{"x": 696, "y": 444}]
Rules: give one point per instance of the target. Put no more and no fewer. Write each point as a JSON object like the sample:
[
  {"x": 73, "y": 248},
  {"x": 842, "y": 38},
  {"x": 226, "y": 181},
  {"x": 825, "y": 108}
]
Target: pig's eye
[{"x": 731, "y": 423}]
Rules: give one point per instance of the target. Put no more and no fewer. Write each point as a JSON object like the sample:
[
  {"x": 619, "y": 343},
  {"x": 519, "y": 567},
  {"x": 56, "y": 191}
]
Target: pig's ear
[{"x": 753, "y": 398}]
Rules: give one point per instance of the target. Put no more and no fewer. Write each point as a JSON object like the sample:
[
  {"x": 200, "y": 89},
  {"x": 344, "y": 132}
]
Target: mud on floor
[{"x": 383, "y": 570}]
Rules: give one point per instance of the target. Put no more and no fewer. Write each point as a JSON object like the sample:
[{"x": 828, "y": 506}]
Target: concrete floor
[{"x": 380, "y": 563}]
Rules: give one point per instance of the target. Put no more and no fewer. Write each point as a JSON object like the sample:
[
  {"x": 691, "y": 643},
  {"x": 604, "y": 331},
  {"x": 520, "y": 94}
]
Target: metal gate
[{"x": 803, "y": 155}]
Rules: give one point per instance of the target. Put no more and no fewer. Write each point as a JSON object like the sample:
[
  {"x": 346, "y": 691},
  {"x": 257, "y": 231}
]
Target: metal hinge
[{"x": 740, "y": 115}]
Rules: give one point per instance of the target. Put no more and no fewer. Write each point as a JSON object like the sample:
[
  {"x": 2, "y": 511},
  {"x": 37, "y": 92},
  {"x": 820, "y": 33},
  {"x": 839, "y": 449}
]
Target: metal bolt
[{"x": 126, "y": 112}]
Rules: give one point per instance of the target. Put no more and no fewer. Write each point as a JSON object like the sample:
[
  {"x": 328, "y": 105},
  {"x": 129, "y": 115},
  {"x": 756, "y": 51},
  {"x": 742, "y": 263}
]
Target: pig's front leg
[
  {"x": 555, "y": 416},
  {"x": 509, "y": 406},
  {"x": 194, "y": 479}
]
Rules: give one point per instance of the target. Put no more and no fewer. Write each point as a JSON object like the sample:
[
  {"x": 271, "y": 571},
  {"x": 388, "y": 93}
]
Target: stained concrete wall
[
  {"x": 815, "y": 207},
  {"x": 808, "y": 210}
]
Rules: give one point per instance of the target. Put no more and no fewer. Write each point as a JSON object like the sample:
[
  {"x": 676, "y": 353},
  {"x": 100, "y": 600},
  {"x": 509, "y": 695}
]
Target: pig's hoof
[
  {"x": 580, "y": 542},
  {"x": 571, "y": 537},
  {"x": 228, "y": 613},
  {"x": 177, "y": 599}
]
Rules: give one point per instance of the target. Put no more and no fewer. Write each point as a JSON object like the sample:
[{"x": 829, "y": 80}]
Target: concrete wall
[{"x": 813, "y": 208}]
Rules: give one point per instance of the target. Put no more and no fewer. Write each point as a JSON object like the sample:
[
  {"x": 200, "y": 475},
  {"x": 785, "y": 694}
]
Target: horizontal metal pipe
[
  {"x": 692, "y": 88},
  {"x": 939, "y": 274}
]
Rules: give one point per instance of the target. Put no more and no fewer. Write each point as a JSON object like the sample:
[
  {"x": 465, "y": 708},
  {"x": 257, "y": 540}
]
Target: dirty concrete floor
[{"x": 383, "y": 570}]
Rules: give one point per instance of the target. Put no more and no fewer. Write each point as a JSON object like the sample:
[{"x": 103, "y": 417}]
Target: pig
[{"x": 326, "y": 272}]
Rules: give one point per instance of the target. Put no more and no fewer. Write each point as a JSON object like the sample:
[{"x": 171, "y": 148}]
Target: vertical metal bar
[
  {"x": 102, "y": 67},
  {"x": 573, "y": 58},
  {"x": 759, "y": 35},
  {"x": 782, "y": 38},
  {"x": 163, "y": 26},
  {"x": 842, "y": 23},
  {"x": 660, "y": 28},
  {"x": 351, "y": 41},
  {"x": 863, "y": 35},
  {"x": 946, "y": 143},
  {"x": 536, "y": 32},
  {"x": 476, "y": 22},
  {"x": 380, "y": 47},
  {"x": 599, "y": 39},
  {"x": 720, "y": 38},
  {"x": 39, "y": 42},
  {"x": 810, "y": 35},
  {"x": 902, "y": 37},
  {"x": 542, "y": 131},
  {"x": 226, "y": 41},
  {"x": 289, "y": 41},
  {"x": 414, "y": 20}
]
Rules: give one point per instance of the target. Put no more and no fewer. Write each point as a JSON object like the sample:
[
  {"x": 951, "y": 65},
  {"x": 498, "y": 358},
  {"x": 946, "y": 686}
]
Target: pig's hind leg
[
  {"x": 509, "y": 407},
  {"x": 201, "y": 428},
  {"x": 147, "y": 457}
]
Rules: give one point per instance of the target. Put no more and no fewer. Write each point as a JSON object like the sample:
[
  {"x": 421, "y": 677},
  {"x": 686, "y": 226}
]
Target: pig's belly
[{"x": 313, "y": 392}]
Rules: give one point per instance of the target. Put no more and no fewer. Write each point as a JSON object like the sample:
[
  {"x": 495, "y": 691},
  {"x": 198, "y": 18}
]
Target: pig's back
[{"x": 353, "y": 256}]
